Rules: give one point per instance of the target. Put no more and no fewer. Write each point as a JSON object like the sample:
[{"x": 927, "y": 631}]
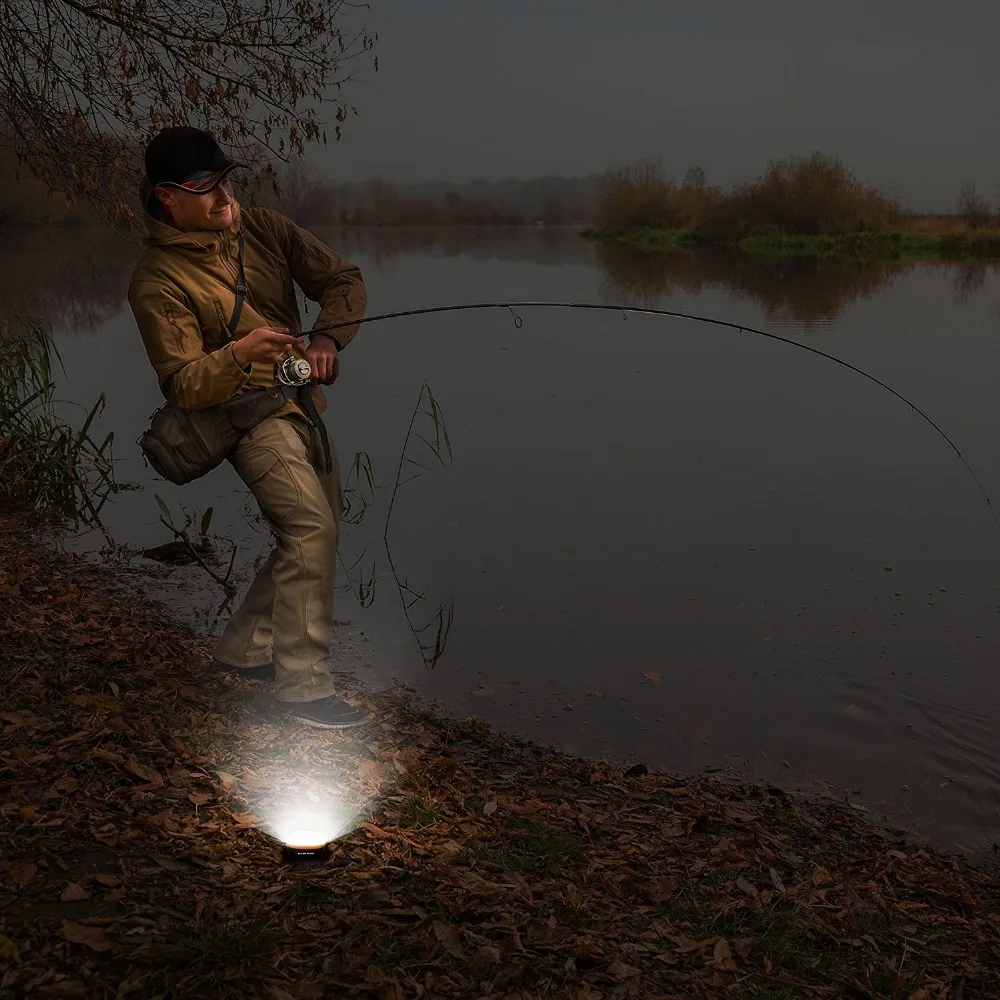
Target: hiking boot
[
  {"x": 328, "y": 713},
  {"x": 265, "y": 672}
]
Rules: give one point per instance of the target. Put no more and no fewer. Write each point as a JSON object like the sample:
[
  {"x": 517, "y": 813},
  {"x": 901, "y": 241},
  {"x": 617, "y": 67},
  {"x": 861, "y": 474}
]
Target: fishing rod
[{"x": 674, "y": 314}]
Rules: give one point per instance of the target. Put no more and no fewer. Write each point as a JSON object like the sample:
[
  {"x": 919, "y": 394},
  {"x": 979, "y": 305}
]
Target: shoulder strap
[
  {"x": 308, "y": 404},
  {"x": 241, "y": 292}
]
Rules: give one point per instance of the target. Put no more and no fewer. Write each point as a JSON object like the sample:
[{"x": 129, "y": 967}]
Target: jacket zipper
[{"x": 226, "y": 256}]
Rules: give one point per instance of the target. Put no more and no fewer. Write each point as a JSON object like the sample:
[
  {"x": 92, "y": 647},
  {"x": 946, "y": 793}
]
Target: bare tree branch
[
  {"x": 84, "y": 84},
  {"x": 973, "y": 207}
]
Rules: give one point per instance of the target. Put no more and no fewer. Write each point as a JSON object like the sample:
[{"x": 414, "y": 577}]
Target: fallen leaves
[
  {"x": 61, "y": 786},
  {"x": 72, "y": 893},
  {"x": 448, "y": 939},
  {"x": 150, "y": 775},
  {"x": 485, "y": 960},
  {"x": 21, "y": 873},
  {"x": 226, "y": 780},
  {"x": 489, "y": 868},
  {"x": 97, "y": 702},
  {"x": 722, "y": 956},
  {"x": 372, "y": 773},
  {"x": 620, "y": 971},
  {"x": 821, "y": 876},
  {"x": 776, "y": 881},
  {"x": 92, "y": 937},
  {"x": 99, "y": 753}
]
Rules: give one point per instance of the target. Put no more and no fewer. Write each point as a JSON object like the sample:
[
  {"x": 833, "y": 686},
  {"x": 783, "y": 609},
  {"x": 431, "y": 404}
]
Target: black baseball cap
[{"x": 187, "y": 157}]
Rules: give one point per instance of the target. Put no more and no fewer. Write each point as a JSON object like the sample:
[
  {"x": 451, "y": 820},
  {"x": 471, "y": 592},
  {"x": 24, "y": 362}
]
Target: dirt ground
[{"x": 138, "y": 789}]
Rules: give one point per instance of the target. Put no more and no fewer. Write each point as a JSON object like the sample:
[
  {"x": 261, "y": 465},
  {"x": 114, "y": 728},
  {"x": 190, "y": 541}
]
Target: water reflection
[
  {"x": 968, "y": 281},
  {"x": 77, "y": 278},
  {"x": 384, "y": 249},
  {"x": 72, "y": 278},
  {"x": 801, "y": 291},
  {"x": 807, "y": 292}
]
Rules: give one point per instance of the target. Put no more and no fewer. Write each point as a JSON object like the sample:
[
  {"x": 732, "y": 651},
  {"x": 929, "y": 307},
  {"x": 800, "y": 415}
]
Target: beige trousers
[{"x": 287, "y": 614}]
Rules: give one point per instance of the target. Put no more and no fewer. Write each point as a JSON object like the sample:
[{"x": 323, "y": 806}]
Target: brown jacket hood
[{"x": 183, "y": 290}]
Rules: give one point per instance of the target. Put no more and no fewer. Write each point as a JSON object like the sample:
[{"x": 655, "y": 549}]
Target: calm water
[{"x": 659, "y": 540}]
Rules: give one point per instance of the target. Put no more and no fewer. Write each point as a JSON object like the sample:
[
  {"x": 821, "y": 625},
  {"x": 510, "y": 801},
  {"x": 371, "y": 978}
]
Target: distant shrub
[
  {"x": 635, "y": 196},
  {"x": 641, "y": 195},
  {"x": 807, "y": 195},
  {"x": 973, "y": 207}
]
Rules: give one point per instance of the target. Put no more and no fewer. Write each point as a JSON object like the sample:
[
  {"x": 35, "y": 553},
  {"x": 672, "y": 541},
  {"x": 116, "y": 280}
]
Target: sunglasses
[{"x": 202, "y": 182}]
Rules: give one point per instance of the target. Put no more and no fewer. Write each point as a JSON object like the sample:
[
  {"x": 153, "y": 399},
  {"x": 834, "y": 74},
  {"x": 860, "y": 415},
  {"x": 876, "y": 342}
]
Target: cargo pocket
[{"x": 272, "y": 483}]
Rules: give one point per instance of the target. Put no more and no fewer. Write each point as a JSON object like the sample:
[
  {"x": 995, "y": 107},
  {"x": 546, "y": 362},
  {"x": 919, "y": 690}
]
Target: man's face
[{"x": 198, "y": 212}]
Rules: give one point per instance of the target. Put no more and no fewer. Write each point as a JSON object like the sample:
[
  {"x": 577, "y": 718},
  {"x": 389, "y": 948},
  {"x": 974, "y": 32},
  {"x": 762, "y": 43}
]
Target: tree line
[
  {"x": 814, "y": 194},
  {"x": 811, "y": 195}
]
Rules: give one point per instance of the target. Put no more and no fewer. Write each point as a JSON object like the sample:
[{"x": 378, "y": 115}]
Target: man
[{"x": 183, "y": 294}]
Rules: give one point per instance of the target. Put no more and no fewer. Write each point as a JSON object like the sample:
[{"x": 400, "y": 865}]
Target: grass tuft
[
  {"x": 214, "y": 953},
  {"x": 47, "y": 468},
  {"x": 530, "y": 846}
]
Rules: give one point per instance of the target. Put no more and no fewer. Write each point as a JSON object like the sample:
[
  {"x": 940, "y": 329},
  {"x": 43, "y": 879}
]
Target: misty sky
[{"x": 904, "y": 92}]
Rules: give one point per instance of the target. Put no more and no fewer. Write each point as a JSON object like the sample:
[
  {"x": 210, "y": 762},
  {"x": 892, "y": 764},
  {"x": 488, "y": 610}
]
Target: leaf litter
[{"x": 133, "y": 863}]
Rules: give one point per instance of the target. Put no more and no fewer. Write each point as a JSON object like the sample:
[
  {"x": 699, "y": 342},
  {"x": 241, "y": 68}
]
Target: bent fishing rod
[{"x": 673, "y": 314}]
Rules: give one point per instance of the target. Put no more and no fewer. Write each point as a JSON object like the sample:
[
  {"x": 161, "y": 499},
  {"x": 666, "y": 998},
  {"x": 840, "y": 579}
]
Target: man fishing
[{"x": 210, "y": 334}]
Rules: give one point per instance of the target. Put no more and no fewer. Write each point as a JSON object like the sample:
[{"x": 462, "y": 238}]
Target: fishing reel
[{"x": 292, "y": 371}]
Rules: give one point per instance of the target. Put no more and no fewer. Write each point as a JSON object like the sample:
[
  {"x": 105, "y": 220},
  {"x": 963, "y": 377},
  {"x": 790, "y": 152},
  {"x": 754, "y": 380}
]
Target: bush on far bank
[
  {"x": 642, "y": 196},
  {"x": 810, "y": 195}
]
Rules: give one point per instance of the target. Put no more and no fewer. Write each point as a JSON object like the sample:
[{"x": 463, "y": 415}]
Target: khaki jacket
[{"x": 183, "y": 291}]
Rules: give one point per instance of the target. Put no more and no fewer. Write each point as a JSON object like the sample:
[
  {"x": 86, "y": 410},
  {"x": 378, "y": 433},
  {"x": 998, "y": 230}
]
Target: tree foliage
[{"x": 84, "y": 84}]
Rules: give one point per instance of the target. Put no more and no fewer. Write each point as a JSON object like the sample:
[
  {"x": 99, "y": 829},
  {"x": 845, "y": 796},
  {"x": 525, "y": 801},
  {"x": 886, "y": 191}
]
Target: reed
[{"x": 47, "y": 468}]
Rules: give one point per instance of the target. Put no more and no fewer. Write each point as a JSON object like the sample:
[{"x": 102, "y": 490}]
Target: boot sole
[{"x": 315, "y": 724}]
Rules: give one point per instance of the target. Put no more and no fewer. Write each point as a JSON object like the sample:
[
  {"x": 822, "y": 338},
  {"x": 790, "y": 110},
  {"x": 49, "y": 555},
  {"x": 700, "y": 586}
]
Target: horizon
[{"x": 406, "y": 183}]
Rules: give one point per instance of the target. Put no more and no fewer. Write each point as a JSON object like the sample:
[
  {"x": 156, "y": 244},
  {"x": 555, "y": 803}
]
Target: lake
[{"x": 655, "y": 539}]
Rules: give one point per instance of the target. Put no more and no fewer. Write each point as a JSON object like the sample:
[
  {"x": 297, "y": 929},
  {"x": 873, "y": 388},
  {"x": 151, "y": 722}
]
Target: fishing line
[{"x": 625, "y": 310}]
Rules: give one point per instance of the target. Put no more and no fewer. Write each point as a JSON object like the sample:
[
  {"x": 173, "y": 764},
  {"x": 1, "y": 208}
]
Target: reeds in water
[{"x": 47, "y": 468}]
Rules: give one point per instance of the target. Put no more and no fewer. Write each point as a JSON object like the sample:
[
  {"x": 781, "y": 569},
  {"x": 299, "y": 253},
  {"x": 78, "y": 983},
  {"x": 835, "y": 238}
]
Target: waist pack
[{"x": 182, "y": 445}]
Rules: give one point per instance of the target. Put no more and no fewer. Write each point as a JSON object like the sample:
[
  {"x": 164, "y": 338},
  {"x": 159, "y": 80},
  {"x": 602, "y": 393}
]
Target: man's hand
[
  {"x": 322, "y": 354},
  {"x": 263, "y": 344}
]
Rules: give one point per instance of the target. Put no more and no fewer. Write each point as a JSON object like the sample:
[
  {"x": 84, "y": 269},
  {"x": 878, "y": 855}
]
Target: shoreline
[
  {"x": 862, "y": 246},
  {"x": 135, "y": 788}
]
